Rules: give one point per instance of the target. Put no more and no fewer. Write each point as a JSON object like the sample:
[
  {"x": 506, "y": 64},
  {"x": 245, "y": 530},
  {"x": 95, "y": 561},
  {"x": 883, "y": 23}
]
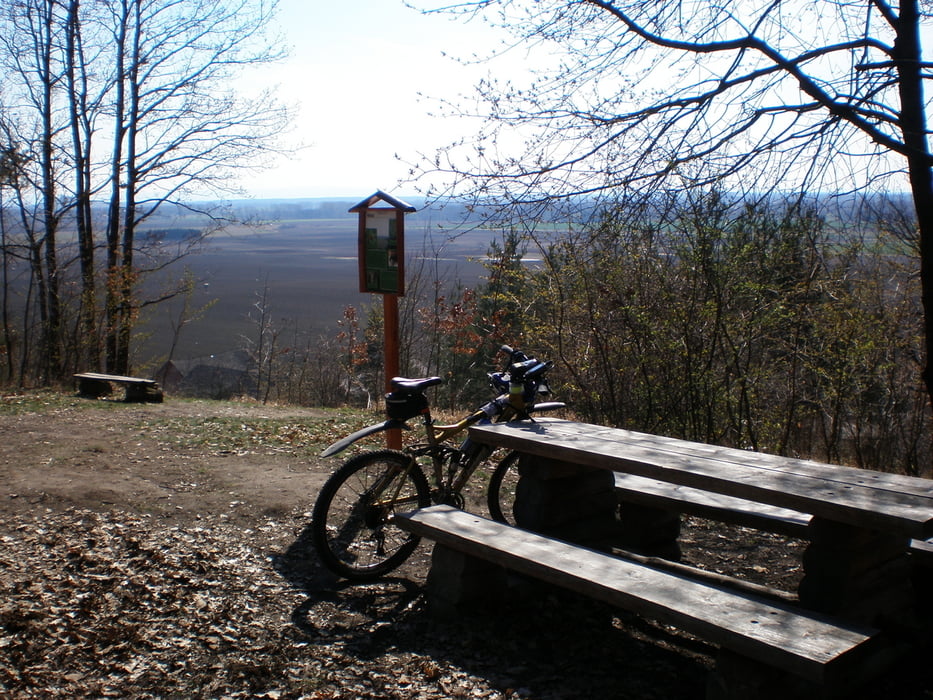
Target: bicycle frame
[
  {"x": 460, "y": 463},
  {"x": 459, "y": 470},
  {"x": 437, "y": 435}
]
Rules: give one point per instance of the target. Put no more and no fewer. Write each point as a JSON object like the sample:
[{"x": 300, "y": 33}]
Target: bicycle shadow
[
  {"x": 299, "y": 566},
  {"x": 544, "y": 643}
]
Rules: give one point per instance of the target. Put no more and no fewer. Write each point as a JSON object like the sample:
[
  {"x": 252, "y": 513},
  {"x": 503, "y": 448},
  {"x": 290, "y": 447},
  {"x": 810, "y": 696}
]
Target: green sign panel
[
  {"x": 382, "y": 244},
  {"x": 381, "y": 253}
]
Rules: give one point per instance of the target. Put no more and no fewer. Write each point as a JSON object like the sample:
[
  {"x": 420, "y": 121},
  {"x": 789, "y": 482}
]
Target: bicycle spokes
[{"x": 352, "y": 526}]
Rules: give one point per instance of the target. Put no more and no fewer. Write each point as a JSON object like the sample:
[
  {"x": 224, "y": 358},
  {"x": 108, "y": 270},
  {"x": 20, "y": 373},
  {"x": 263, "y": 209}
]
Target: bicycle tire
[
  {"x": 500, "y": 498},
  {"x": 355, "y": 538}
]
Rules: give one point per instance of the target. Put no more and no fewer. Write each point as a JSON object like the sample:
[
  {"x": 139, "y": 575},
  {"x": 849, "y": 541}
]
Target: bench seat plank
[
  {"x": 115, "y": 378},
  {"x": 808, "y": 645},
  {"x": 713, "y": 506},
  {"x": 796, "y": 485}
]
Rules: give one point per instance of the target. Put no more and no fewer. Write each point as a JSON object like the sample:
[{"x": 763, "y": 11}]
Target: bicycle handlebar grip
[{"x": 515, "y": 355}]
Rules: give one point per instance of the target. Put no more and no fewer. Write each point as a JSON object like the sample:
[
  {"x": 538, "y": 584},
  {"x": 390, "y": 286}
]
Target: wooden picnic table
[{"x": 862, "y": 521}]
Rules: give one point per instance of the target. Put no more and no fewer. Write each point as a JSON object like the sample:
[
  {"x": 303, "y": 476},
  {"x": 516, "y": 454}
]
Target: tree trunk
[
  {"x": 127, "y": 276},
  {"x": 51, "y": 301},
  {"x": 919, "y": 161},
  {"x": 112, "y": 301},
  {"x": 5, "y": 290},
  {"x": 88, "y": 356}
]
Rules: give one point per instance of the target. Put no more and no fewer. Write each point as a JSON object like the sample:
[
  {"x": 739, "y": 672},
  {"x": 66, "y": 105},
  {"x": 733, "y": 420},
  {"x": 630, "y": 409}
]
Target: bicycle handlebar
[
  {"x": 522, "y": 378},
  {"x": 515, "y": 355}
]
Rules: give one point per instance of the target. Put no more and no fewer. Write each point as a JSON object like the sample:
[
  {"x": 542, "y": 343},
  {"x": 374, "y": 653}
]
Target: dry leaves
[
  {"x": 123, "y": 605},
  {"x": 110, "y": 605}
]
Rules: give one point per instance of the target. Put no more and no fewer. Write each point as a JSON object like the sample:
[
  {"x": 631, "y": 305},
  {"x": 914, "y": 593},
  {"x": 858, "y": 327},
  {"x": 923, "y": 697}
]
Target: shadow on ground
[{"x": 542, "y": 644}]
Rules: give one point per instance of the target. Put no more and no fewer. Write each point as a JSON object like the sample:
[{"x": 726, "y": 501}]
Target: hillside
[{"x": 157, "y": 551}]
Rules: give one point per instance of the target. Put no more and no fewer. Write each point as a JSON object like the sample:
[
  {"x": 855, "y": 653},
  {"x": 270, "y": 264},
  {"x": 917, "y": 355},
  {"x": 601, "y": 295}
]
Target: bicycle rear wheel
[{"x": 351, "y": 525}]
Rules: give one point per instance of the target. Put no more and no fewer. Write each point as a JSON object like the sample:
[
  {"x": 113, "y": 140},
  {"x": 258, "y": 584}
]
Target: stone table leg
[
  {"x": 557, "y": 499},
  {"x": 861, "y": 575},
  {"x": 568, "y": 501}
]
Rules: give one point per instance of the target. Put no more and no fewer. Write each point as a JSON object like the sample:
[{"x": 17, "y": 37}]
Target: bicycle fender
[
  {"x": 344, "y": 443},
  {"x": 548, "y": 406}
]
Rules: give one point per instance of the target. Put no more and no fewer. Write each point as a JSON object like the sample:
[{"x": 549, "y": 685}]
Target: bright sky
[{"x": 356, "y": 69}]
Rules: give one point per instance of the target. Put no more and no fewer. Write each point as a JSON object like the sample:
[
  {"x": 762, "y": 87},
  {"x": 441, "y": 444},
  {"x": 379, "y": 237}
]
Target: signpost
[{"x": 381, "y": 244}]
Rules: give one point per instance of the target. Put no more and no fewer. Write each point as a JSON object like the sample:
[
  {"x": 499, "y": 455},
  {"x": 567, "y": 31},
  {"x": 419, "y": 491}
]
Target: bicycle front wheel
[
  {"x": 503, "y": 486},
  {"x": 351, "y": 525}
]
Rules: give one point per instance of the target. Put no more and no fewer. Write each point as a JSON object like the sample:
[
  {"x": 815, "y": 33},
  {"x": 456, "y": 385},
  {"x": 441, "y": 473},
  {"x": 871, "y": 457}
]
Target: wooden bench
[
  {"x": 810, "y": 646},
  {"x": 95, "y": 385},
  {"x": 728, "y": 509}
]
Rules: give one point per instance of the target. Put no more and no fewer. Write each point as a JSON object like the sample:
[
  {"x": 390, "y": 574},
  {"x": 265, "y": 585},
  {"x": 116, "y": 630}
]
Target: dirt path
[{"x": 145, "y": 458}]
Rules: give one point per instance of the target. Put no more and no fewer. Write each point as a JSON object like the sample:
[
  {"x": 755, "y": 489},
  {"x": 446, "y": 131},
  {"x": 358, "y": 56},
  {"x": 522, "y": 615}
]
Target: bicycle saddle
[{"x": 414, "y": 386}]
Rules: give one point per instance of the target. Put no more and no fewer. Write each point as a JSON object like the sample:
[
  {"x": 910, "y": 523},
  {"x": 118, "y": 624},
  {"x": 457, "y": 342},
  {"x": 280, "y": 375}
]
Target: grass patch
[
  {"x": 236, "y": 434},
  {"x": 41, "y": 402}
]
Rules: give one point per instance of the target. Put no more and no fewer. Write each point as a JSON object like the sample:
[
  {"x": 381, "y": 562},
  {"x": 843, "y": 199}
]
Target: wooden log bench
[
  {"x": 95, "y": 385},
  {"x": 822, "y": 653}
]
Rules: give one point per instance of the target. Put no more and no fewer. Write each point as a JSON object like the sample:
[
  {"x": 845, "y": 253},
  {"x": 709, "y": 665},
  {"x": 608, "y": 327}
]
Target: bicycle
[{"x": 351, "y": 523}]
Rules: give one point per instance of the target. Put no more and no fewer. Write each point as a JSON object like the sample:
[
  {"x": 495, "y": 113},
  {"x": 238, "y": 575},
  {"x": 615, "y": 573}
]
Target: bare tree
[
  {"x": 816, "y": 95},
  {"x": 31, "y": 41},
  {"x": 84, "y": 107},
  {"x": 187, "y": 314},
  {"x": 10, "y": 167},
  {"x": 263, "y": 347},
  {"x": 130, "y": 103},
  {"x": 179, "y": 125}
]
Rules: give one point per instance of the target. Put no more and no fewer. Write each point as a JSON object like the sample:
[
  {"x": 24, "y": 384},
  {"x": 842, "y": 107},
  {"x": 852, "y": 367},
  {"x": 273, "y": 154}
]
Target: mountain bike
[{"x": 352, "y": 522}]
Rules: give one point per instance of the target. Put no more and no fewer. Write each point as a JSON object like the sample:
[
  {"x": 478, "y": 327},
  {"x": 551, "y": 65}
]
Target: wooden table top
[{"x": 891, "y": 503}]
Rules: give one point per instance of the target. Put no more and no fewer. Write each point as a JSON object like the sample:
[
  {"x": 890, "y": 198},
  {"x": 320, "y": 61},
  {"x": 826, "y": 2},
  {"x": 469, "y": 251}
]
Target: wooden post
[
  {"x": 390, "y": 323},
  {"x": 381, "y": 250}
]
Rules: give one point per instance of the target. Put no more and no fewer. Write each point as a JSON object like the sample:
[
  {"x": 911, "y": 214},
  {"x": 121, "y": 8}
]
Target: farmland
[{"x": 307, "y": 269}]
